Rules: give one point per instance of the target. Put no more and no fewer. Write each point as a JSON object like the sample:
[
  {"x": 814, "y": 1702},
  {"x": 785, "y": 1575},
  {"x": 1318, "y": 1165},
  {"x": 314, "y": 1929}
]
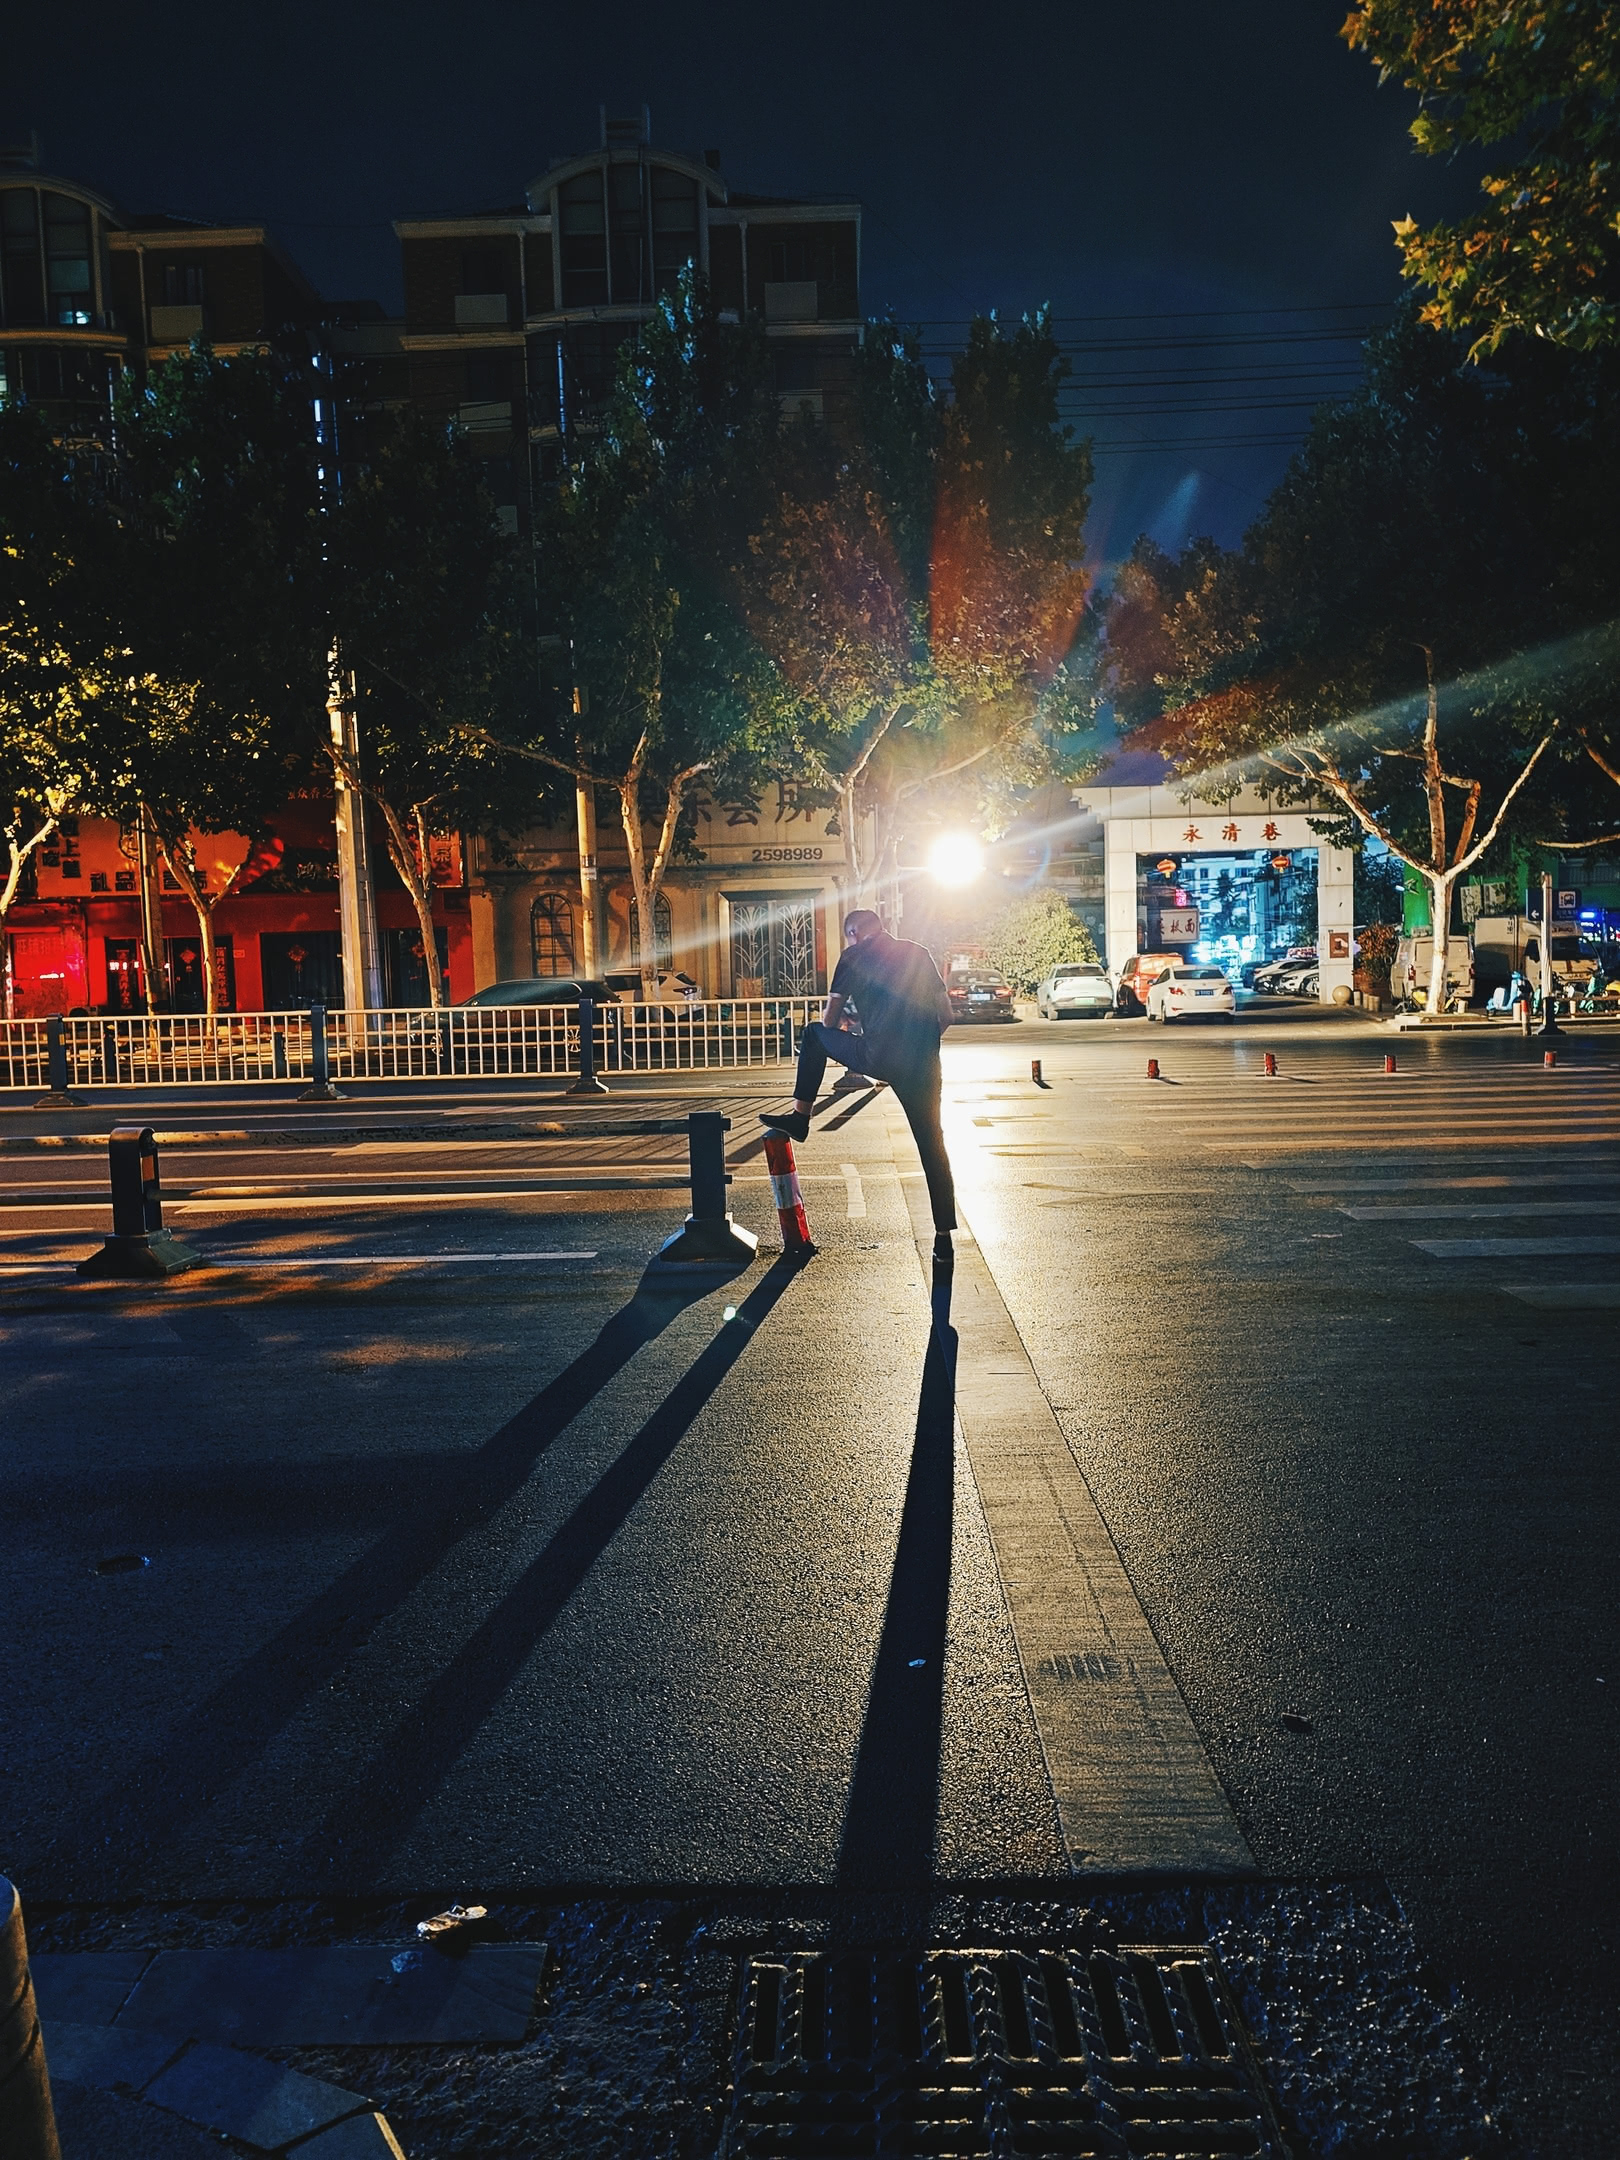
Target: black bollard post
[
  {"x": 587, "y": 1083},
  {"x": 56, "y": 1095},
  {"x": 709, "y": 1235},
  {"x": 109, "y": 1053},
  {"x": 278, "y": 1053},
  {"x": 320, "y": 1088},
  {"x": 139, "y": 1247},
  {"x": 27, "y": 2119}
]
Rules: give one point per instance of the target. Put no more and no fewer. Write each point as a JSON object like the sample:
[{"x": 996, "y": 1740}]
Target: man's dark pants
[{"x": 916, "y": 1089}]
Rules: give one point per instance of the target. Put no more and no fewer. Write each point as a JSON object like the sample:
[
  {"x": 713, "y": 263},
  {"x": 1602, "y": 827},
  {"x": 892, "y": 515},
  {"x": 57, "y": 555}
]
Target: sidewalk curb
[
  {"x": 348, "y": 1135},
  {"x": 261, "y": 2103}
]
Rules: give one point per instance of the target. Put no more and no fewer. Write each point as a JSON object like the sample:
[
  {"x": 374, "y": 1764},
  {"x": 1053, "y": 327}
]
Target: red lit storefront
[{"x": 74, "y": 940}]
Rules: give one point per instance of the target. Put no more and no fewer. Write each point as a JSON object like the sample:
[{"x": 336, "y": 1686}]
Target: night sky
[{"x": 1202, "y": 193}]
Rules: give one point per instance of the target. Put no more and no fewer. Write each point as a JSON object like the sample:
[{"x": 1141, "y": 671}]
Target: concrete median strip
[
  {"x": 1134, "y": 1789},
  {"x": 172, "y": 2029}
]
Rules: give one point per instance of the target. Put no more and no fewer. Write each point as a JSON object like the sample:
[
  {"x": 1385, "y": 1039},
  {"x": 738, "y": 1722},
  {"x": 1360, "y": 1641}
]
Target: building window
[
  {"x": 483, "y": 270},
  {"x": 23, "y": 284},
  {"x": 674, "y": 225},
  {"x": 551, "y": 935},
  {"x": 67, "y": 260},
  {"x": 582, "y": 216},
  {"x": 629, "y": 233},
  {"x": 182, "y": 284},
  {"x": 663, "y": 936}
]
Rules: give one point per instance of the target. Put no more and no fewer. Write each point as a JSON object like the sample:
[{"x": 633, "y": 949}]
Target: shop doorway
[
  {"x": 773, "y": 945},
  {"x": 405, "y": 979},
  {"x": 1229, "y": 908},
  {"x": 124, "y": 976},
  {"x": 186, "y": 974},
  {"x": 301, "y": 968}
]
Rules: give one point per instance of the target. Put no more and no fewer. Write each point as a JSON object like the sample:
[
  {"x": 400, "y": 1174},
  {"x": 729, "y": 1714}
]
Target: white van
[{"x": 1414, "y": 957}]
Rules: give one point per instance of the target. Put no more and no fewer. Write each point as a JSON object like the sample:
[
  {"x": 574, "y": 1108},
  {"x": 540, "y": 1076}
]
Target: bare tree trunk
[
  {"x": 848, "y": 819},
  {"x": 412, "y": 864},
  {"x": 647, "y": 879},
  {"x": 177, "y": 855}
]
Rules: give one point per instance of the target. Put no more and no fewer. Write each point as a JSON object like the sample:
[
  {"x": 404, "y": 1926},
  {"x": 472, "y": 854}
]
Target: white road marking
[
  {"x": 857, "y": 1195},
  {"x": 1483, "y": 1213},
  {"x": 1505, "y": 1248},
  {"x": 1568, "y": 1296}
]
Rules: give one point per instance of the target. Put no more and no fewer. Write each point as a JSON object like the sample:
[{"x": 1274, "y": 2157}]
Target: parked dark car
[
  {"x": 980, "y": 994},
  {"x": 540, "y": 990}
]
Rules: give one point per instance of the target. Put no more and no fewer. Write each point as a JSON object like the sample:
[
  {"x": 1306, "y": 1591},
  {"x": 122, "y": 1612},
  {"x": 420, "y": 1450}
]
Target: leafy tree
[
  {"x": 1034, "y": 936},
  {"x": 221, "y": 573},
  {"x": 919, "y": 577},
  {"x": 649, "y": 680},
  {"x": 1434, "y": 564},
  {"x": 75, "y": 704},
  {"x": 1541, "y": 77},
  {"x": 246, "y": 581},
  {"x": 419, "y": 571}
]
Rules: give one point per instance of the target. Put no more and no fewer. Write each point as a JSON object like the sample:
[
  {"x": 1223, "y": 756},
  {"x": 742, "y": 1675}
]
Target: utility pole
[
  {"x": 357, "y": 893},
  {"x": 592, "y": 940},
  {"x": 590, "y": 885},
  {"x": 1549, "y": 1010},
  {"x": 154, "y": 952}
]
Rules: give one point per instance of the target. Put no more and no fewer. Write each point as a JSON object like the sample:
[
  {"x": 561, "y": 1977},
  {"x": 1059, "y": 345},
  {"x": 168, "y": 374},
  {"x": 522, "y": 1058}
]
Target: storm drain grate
[{"x": 994, "y": 2052}]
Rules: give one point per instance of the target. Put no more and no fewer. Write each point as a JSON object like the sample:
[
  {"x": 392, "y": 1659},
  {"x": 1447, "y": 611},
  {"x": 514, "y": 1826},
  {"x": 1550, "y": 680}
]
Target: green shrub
[{"x": 1030, "y": 938}]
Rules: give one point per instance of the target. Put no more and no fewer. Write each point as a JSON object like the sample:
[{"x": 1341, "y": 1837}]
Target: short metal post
[
  {"x": 278, "y": 1053},
  {"x": 109, "y": 1054},
  {"x": 320, "y": 1088},
  {"x": 56, "y": 1095},
  {"x": 709, "y": 1234},
  {"x": 587, "y": 1083},
  {"x": 27, "y": 2119},
  {"x": 139, "y": 1247}
]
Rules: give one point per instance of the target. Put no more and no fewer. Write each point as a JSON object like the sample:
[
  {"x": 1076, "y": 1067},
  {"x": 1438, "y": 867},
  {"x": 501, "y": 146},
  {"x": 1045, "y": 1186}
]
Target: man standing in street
[{"x": 904, "y": 1009}]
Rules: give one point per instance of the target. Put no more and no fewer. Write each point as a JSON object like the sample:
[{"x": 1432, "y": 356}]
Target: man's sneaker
[{"x": 792, "y": 1122}]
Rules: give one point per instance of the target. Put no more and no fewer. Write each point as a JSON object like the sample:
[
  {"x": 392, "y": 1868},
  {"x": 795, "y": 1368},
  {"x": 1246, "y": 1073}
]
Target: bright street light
[{"x": 955, "y": 859}]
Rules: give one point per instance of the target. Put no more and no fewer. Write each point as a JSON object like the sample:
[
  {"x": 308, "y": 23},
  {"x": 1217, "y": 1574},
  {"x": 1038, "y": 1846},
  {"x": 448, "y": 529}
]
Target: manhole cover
[{"x": 993, "y": 2052}]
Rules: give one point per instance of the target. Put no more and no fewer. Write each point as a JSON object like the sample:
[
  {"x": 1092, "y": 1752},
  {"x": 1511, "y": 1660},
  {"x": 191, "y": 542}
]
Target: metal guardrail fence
[{"x": 397, "y": 1043}]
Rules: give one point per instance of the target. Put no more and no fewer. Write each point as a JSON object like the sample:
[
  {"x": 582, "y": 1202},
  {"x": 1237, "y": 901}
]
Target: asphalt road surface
[{"x": 1243, "y": 1502}]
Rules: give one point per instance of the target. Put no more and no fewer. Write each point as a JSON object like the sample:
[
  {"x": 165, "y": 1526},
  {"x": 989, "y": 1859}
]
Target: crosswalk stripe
[
  {"x": 1506, "y": 1248},
  {"x": 1502, "y": 1209}
]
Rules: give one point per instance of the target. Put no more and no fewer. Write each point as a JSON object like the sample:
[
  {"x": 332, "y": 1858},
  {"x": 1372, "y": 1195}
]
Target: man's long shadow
[
  {"x": 201, "y": 1755},
  {"x": 892, "y": 1821},
  {"x": 385, "y": 1798}
]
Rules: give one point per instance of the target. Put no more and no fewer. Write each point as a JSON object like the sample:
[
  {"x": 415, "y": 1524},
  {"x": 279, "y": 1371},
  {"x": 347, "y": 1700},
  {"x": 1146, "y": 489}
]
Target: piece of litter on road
[
  {"x": 453, "y": 1917},
  {"x": 1291, "y": 1721},
  {"x": 916, "y": 1661},
  {"x": 406, "y": 1961},
  {"x": 730, "y": 1313}
]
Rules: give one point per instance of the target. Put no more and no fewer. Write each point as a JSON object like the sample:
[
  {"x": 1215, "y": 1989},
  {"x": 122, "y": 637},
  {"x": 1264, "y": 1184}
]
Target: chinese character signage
[{"x": 1178, "y": 926}]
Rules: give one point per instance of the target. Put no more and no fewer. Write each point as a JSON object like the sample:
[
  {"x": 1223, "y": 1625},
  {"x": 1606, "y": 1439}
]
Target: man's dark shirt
[{"x": 903, "y": 1004}]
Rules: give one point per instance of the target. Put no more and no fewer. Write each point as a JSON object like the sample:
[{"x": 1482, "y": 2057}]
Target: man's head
[{"x": 860, "y": 924}]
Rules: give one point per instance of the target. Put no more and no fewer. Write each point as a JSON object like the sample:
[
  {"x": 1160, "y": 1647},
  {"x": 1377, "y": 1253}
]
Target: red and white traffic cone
[
  {"x": 1153, "y": 1069},
  {"x": 1389, "y": 1061},
  {"x": 779, "y": 1161},
  {"x": 1271, "y": 1064}
]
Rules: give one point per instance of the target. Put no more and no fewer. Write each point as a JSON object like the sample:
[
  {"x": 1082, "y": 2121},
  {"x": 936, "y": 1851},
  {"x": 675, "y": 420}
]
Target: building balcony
[
  {"x": 177, "y": 325},
  {"x": 481, "y": 311},
  {"x": 798, "y": 302},
  {"x": 488, "y": 416}
]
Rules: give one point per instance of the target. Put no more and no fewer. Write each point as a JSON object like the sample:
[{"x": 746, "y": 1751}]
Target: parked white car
[
  {"x": 1078, "y": 990},
  {"x": 1192, "y": 993}
]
